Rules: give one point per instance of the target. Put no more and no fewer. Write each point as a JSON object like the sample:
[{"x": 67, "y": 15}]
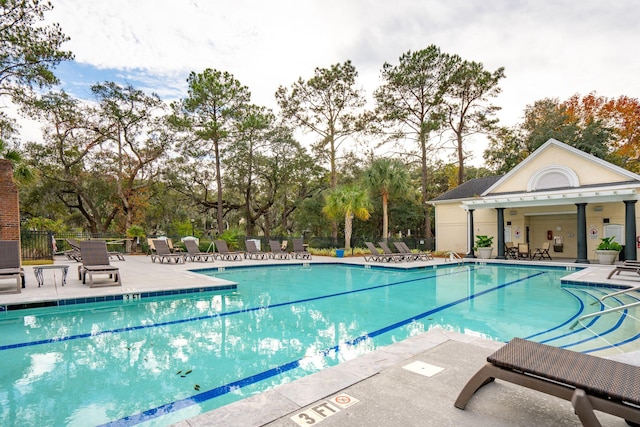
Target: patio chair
[
  {"x": 299, "y": 250},
  {"x": 588, "y": 382},
  {"x": 10, "y": 262},
  {"x": 225, "y": 254},
  {"x": 194, "y": 253},
  {"x": 277, "y": 250},
  {"x": 523, "y": 251},
  {"x": 542, "y": 252},
  {"x": 95, "y": 260},
  {"x": 163, "y": 253},
  {"x": 510, "y": 250},
  {"x": 252, "y": 251},
  {"x": 375, "y": 255},
  {"x": 393, "y": 256}
]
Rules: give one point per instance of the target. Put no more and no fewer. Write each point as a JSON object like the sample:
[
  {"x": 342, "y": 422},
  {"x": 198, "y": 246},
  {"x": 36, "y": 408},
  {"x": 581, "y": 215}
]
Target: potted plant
[
  {"x": 483, "y": 246},
  {"x": 608, "y": 250}
]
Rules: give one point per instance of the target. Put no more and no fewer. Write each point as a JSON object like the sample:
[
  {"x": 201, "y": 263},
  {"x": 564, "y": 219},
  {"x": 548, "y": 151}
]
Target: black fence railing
[
  {"x": 36, "y": 245},
  {"x": 42, "y": 245}
]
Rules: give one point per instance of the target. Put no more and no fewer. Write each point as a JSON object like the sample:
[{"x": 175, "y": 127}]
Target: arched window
[{"x": 554, "y": 176}]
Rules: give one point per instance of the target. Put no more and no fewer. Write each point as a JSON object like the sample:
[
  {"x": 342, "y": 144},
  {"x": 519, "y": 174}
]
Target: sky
[{"x": 548, "y": 48}]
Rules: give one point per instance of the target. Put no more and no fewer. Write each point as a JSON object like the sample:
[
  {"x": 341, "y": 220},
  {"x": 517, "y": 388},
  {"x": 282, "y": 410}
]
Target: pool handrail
[{"x": 601, "y": 312}]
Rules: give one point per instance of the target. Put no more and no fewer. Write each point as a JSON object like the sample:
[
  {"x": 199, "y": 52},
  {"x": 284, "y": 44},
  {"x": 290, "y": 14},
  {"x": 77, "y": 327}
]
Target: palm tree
[
  {"x": 350, "y": 201},
  {"x": 21, "y": 172},
  {"x": 386, "y": 177}
]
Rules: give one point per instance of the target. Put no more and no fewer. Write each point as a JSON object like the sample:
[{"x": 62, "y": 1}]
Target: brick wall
[{"x": 9, "y": 205}]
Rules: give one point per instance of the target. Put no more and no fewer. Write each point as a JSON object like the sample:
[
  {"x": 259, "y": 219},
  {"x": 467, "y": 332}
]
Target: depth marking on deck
[{"x": 323, "y": 410}]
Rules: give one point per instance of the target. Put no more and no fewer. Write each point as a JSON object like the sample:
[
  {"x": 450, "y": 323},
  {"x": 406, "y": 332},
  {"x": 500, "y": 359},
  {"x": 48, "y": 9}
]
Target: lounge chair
[
  {"x": 10, "y": 262},
  {"x": 252, "y": 251},
  {"x": 194, "y": 253},
  {"x": 542, "y": 252},
  {"x": 375, "y": 255},
  {"x": 225, "y": 254},
  {"x": 403, "y": 248},
  {"x": 299, "y": 251},
  {"x": 631, "y": 268},
  {"x": 95, "y": 260},
  {"x": 393, "y": 256},
  {"x": 277, "y": 251},
  {"x": 73, "y": 253},
  {"x": 163, "y": 253},
  {"x": 588, "y": 382}
]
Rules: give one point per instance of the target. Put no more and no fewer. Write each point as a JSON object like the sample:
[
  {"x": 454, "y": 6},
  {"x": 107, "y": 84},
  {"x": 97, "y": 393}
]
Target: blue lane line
[
  {"x": 224, "y": 389},
  {"x": 568, "y": 321},
  {"x": 211, "y": 316}
]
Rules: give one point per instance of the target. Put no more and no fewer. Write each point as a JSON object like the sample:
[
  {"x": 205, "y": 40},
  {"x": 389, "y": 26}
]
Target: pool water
[{"x": 157, "y": 361}]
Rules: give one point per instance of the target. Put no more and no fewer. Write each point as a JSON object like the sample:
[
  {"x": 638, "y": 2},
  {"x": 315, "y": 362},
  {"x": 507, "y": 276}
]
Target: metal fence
[
  {"x": 42, "y": 245},
  {"x": 36, "y": 245}
]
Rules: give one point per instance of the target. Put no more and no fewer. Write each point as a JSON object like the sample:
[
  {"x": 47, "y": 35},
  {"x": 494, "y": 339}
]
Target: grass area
[{"x": 38, "y": 262}]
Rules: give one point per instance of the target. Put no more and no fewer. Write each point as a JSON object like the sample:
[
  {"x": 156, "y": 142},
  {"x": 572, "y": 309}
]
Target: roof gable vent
[{"x": 554, "y": 176}]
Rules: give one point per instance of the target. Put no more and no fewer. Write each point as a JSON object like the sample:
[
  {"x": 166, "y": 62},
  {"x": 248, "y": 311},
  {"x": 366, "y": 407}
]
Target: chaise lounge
[
  {"x": 95, "y": 260},
  {"x": 277, "y": 251},
  {"x": 194, "y": 253},
  {"x": 299, "y": 250},
  {"x": 252, "y": 251},
  {"x": 163, "y": 253},
  {"x": 10, "y": 262},
  {"x": 588, "y": 382},
  {"x": 225, "y": 254}
]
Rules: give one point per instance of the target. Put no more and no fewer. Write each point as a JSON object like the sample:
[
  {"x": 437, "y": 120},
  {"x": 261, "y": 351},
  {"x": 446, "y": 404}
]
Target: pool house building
[{"x": 558, "y": 195}]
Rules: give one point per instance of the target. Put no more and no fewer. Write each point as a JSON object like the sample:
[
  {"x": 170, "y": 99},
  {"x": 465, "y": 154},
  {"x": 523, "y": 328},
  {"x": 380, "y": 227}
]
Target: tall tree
[
  {"x": 69, "y": 160},
  {"x": 134, "y": 139},
  {"x": 409, "y": 104},
  {"x": 467, "y": 103},
  {"x": 347, "y": 201},
  {"x": 29, "y": 51},
  {"x": 505, "y": 150},
  {"x": 247, "y": 153},
  {"x": 101, "y": 159},
  {"x": 386, "y": 177},
  {"x": 209, "y": 115},
  {"x": 327, "y": 105}
]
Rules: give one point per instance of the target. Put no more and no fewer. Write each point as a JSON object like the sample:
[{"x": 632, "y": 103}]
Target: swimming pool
[{"x": 157, "y": 361}]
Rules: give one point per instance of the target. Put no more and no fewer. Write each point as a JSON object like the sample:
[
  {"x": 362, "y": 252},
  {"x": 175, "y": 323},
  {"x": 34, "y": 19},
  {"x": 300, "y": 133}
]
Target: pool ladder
[{"x": 454, "y": 257}]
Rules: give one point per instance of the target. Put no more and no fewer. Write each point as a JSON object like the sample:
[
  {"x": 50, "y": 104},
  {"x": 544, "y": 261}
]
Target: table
[{"x": 38, "y": 271}]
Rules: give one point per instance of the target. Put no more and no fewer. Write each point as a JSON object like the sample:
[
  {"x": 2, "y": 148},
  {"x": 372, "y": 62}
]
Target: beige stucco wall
[
  {"x": 587, "y": 171},
  {"x": 452, "y": 234}
]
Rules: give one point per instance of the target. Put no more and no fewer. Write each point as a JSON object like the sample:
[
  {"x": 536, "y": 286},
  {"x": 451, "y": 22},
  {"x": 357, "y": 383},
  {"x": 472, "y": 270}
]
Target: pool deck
[{"x": 390, "y": 386}]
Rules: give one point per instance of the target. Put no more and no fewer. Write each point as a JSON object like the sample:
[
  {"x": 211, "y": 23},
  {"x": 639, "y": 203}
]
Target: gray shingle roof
[{"x": 472, "y": 188}]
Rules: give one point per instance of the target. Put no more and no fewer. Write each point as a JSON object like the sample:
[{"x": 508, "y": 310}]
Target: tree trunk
[
  {"x": 219, "y": 189},
  {"x": 348, "y": 229},
  {"x": 460, "y": 159},
  {"x": 425, "y": 195},
  {"x": 385, "y": 216}
]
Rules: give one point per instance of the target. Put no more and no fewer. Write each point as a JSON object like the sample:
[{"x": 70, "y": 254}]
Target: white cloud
[{"x": 548, "y": 48}]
